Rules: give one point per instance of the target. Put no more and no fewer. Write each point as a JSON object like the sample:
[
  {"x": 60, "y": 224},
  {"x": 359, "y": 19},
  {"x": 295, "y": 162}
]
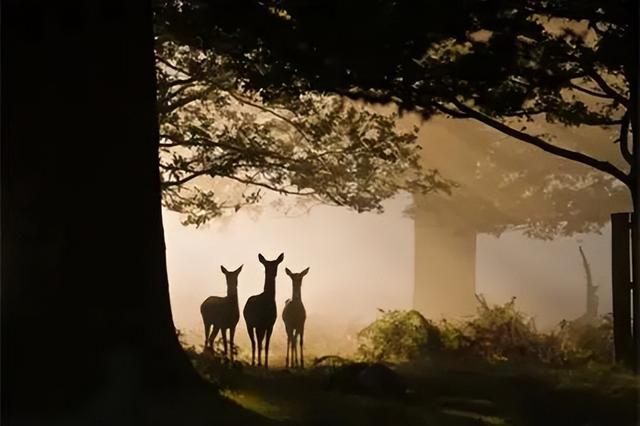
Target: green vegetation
[
  {"x": 493, "y": 369},
  {"x": 498, "y": 333}
]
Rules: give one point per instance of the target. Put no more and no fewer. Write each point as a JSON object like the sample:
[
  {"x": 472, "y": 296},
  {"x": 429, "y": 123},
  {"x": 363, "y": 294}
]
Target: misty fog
[{"x": 362, "y": 262}]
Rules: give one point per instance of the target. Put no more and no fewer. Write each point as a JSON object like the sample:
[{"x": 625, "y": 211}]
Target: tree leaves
[{"x": 324, "y": 147}]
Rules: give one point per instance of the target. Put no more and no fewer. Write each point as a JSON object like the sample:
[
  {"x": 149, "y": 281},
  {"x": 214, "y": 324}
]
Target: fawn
[
  {"x": 294, "y": 317},
  {"x": 222, "y": 313},
  {"x": 260, "y": 311}
]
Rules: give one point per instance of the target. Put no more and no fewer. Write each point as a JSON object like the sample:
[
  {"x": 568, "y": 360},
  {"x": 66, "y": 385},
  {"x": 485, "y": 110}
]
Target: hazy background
[{"x": 362, "y": 262}]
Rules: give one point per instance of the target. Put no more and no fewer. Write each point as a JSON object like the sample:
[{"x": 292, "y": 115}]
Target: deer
[
  {"x": 222, "y": 313},
  {"x": 294, "y": 317},
  {"x": 260, "y": 311}
]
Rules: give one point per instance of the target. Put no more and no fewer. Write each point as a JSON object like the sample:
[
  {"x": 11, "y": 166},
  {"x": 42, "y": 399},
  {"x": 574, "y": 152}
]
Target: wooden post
[
  {"x": 621, "y": 288},
  {"x": 635, "y": 291}
]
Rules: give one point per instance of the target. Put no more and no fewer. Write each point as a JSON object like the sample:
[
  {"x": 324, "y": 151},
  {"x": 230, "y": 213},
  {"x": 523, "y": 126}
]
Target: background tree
[
  {"x": 502, "y": 187},
  {"x": 323, "y": 148}
]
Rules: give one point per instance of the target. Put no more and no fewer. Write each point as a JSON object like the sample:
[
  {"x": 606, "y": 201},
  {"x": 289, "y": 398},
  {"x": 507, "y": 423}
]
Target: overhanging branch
[
  {"x": 608, "y": 89},
  {"x": 591, "y": 92},
  {"x": 579, "y": 157}
]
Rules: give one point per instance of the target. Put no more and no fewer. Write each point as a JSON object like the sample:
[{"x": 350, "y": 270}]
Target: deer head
[
  {"x": 296, "y": 278},
  {"x": 232, "y": 278},
  {"x": 271, "y": 266}
]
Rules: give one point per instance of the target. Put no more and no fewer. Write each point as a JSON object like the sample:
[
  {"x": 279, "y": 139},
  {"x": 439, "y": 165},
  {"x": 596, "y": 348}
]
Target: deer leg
[
  {"x": 260, "y": 336},
  {"x": 224, "y": 341},
  {"x": 232, "y": 332},
  {"x": 207, "y": 329},
  {"x": 253, "y": 345},
  {"x": 266, "y": 348},
  {"x": 286, "y": 362},
  {"x": 212, "y": 337},
  {"x": 301, "y": 350},
  {"x": 294, "y": 348}
]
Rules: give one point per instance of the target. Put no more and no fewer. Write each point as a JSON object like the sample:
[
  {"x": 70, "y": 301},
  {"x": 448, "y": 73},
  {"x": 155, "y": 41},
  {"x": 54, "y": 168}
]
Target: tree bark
[
  {"x": 87, "y": 331},
  {"x": 635, "y": 177}
]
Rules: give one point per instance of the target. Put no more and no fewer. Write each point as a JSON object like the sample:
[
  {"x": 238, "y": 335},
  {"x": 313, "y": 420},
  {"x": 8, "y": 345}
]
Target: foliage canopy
[{"x": 526, "y": 69}]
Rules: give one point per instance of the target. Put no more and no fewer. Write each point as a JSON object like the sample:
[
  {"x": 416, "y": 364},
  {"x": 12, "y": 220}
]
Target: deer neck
[
  {"x": 232, "y": 294},
  {"x": 270, "y": 285},
  {"x": 297, "y": 294}
]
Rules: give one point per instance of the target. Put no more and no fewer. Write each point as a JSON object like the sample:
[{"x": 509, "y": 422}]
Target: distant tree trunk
[
  {"x": 87, "y": 331},
  {"x": 591, "y": 302},
  {"x": 445, "y": 267}
]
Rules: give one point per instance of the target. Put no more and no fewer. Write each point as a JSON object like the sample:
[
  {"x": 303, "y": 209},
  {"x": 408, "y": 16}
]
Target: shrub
[
  {"x": 398, "y": 336},
  {"x": 497, "y": 333}
]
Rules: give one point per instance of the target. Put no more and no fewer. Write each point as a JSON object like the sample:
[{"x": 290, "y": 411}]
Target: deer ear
[
  {"x": 288, "y": 272},
  {"x": 280, "y": 258},
  {"x": 305, "y": 272},
  {"x": 237, "y": 271},
  {"x": 261, "y": 258},
  {"x": 224, "y": 270}
]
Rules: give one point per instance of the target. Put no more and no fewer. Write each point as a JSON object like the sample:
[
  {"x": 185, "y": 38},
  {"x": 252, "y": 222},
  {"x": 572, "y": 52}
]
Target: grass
[
  {"x": 443, "y": 392},
  {"x": 493, "y": 369}
]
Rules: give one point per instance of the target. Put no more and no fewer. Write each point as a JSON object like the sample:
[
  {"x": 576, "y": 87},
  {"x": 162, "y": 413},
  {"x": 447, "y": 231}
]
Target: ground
[{"x": 440, "y": 393}]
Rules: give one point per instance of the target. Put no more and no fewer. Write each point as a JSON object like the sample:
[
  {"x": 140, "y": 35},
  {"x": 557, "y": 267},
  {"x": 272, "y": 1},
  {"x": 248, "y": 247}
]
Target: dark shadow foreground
[{"x": 87, "y": 334}]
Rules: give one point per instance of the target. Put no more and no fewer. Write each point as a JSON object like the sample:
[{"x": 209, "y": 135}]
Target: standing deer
[
  {"x": 222, "y": 313},
  {"x": 294, "y": 317},
  {"x": 260, "y": 311}
]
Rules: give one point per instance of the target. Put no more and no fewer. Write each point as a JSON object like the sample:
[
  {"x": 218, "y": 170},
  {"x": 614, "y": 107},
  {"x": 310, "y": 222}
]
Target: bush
[
  {"x": 496, "y": 333},
  {"x": 398, "y": 336},
  {"x": 585, "y": 342}
]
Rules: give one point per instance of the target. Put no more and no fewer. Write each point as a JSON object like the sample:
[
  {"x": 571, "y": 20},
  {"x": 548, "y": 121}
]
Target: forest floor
[{"x": 440, "y": 393}]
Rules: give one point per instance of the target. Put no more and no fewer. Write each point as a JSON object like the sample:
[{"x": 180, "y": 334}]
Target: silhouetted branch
[
  {"x": 608, "y": 89},
  {"x": 276, "y": 114},
  {"x": 590, "y": 92},
  {"x": 624, "y": 139},
  {"x": 452, "y": 112},
  {"x": 271, "y": 187},
  {"x": 168, "y": 107},
  {"x": 173, "y": 66},
  {"x": 603, "y": 166}
]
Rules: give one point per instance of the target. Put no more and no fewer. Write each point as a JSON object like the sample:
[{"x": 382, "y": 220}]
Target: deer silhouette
[
  {"x": 260, "y": 311},
  {"x": 294, "y": 317},
  {"x": 222, "y": 313}
]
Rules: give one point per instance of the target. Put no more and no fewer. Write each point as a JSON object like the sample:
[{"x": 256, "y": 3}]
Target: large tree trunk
[
  {"x": 445, "y": 268},
  {"x": 87, "y": 330}
]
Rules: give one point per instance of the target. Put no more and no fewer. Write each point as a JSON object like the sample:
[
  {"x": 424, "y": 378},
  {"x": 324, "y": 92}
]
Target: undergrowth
[{"x": 498, "y": 333}]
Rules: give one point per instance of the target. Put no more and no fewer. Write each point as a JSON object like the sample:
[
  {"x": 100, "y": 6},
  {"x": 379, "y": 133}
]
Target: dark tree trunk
[
  {"x": 87, "y": 331},
  {"x": 633, "y": 76}
]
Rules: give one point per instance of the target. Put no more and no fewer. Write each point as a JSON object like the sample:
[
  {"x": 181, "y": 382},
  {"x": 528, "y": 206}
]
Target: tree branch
[
  {"x": 296, "y": 126},
  {"x": 172, "y": 66},
  {"x": 179, "y": 182},
  {"x": 452, "y": 112},
  {"x": 579, "y": 157},
  {"x": 590, "y": 92},
  {"x": 624, "y": 139},
  {"x": 168, "y": 107},
  {"x": 608, "y": 89},
  {"x": 270, "y": 187}
]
